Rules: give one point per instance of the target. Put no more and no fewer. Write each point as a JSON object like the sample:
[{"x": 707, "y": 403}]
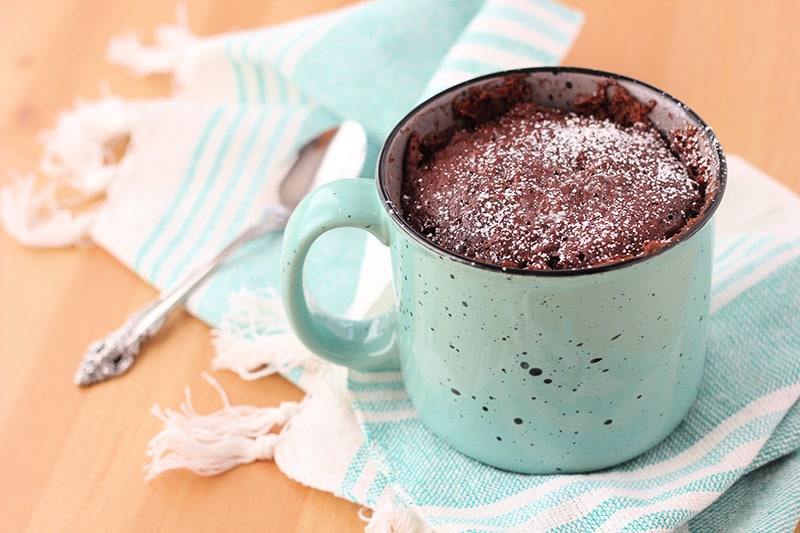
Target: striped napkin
[
  {"x": 737, "y": 447},
  {"x": 733, "y": 465},
  {"x": 199, "y": 165}
]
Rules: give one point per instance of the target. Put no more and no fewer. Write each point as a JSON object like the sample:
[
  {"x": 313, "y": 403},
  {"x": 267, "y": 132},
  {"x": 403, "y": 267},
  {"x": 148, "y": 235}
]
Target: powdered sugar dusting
[{"x": 546, "y": 189}]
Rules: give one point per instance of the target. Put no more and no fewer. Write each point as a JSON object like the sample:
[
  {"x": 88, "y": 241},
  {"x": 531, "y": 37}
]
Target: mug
[{"x": 531, "y": 371}]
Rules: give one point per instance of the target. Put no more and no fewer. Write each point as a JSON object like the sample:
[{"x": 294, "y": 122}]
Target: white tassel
[
  {"x": 128, "y": 51},
  {"x": 37, "y": 219},
  {"x": 211, "y": 444},
  {"x": 78, "y": 150},
  {"x": 389, "y": 517},
  {"x": 78, "y": 159},
  {"x": 256, "y": 340}
]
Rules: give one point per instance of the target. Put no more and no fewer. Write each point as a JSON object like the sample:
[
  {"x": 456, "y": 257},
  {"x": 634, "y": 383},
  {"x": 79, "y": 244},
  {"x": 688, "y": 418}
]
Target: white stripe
[
  {"x": 364, "y": 481},
  {"x": 517, "y": 31},
  {"x": 445, "y": 78},
  {"x": 310, "y": 34},
  {"x": 724, "y": 244},
  {"x": 460, "y": 527},
  {"x": 279, "y": 89},
  {"x": 735, "y": 249},
  {"x": 483, "y": 22},
  {"x": 779, "y": 400},
  {"x": 376, "y": 377},
  {"x": 688, "y": 501},
  {"x": 494, "y": 57},
  {"x": 748, "y": 253},
  {"x": 240, "y": 54},
  {"x": 273, "y": 84},
  {"x": 535, "y": 10},
  {"x": 727, "y": 295},
  {"x": 584, "y": 503},
  {"x": 574, "y": 508},
  {"x": 381, "y": 395},
  {"x": 293, "y": 95},
  {"x": 207, "y": 211},
  {"x": 185, "y": 208},
  {"x": 377, "y": 417},
  {"x": 238, "y": 196}
]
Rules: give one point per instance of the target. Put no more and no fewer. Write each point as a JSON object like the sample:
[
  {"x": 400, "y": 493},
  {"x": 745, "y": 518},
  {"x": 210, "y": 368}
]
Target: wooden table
[{"x": 71, "y": 459}]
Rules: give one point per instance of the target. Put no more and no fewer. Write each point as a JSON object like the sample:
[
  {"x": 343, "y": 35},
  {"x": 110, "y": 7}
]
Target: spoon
[{"x": 336, "y": 153}]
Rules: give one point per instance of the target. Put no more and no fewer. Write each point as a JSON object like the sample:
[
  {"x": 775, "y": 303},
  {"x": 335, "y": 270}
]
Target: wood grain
[{"x": 71, "y": 459}]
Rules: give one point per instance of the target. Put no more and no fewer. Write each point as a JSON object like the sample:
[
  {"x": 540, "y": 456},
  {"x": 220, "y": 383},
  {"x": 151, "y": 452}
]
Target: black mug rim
[{"x": 395, "y": 214}]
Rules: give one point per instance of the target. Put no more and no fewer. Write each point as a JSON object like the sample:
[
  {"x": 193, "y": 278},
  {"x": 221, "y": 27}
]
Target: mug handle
[{"x": 366, "y": 344}]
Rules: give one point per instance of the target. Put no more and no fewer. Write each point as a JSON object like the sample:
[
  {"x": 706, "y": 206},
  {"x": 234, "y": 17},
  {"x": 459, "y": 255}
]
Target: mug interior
[{"x": 553, "y": 87}]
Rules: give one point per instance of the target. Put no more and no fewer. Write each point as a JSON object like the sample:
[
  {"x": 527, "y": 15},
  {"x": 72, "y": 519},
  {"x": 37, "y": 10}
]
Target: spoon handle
[{"x": 114, "y": 354}]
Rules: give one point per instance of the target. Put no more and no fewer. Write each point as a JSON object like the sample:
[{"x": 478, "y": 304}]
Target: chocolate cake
[{"x": 531, "y": 187}]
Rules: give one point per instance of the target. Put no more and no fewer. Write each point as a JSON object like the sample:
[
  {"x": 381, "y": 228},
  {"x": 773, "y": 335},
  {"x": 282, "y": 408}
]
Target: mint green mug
[{"x": 529, "y": 371}]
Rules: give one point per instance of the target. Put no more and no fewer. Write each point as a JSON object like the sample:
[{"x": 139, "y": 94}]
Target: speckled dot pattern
[
  {"x": 552, "y": 374},
  {"x": 548, "y": 374}
]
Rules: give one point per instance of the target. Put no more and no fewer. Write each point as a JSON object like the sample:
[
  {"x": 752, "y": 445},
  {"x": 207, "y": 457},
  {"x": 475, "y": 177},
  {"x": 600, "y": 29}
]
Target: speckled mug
[{"x": 529, "y": 371}]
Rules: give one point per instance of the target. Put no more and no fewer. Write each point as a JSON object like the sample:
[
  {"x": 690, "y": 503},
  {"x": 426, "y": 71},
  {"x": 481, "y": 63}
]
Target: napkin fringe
[
  {"x": 80, "y": 159},
  {"x": 37, "y": 219},
  {"x": 256, "y": 340},
  {"x": 392, "y": 517},
  {"x": 214, "y": 443},
  {"x": 171, "y": 41}
]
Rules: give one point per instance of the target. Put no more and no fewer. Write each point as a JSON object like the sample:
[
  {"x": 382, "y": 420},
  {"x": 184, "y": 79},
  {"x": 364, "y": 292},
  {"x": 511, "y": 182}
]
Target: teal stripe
[
  {"x": 259, "y": 177},
  {"x": 288, "y": 46},
  {"x": 471, "y": 65},
  {"x": 350, "y": 477},
  {"x": 201, "y": 199},
  {"x": 295, "y": 374},
  {"x": 736, "y": 256},
  {"x": 374, "y": 386},
  {"x": 751, "y": 431},
  {"x": 280, "y": 57},
  {"x": 383, "y": 405},
  {"x": 533, "y": 23},
  {"x": 180, "y": 196},
  {"x": 765, "y": 501},
  {"x": 300, "y": 33},
  {"x": 261, "y": 86},
  {"x": 262, "y": 64},
  {"x": 747, "y": 269},
  {"x": 786, "y": 437},
  {"x": 666, "y": 519},
  {"x": 257, "y": 181},
  {"x": 725, "y": 247},
  {"x": 223, "y": 201},
  {"x": 508, "y": 44},
  {"x": 281, "y": 84},
  {"x": 253, "y": 69},
  {"x": 376, "y": 489},
  {"x": 308, "y": 129},
  {"x": 662, "y": 519},
  {"x": 526, "y": 516},
  {"x": 255, "y": 65},
  {"x": 570, "y": 16},
  {"x": 241, "y": 89}
]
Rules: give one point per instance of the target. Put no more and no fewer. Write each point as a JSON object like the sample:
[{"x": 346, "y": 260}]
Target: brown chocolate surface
[{"x": 542, "y": 188}]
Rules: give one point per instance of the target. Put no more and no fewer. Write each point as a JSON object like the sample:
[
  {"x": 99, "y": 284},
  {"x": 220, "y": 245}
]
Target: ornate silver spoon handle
[{"x": 114, "y": 354}]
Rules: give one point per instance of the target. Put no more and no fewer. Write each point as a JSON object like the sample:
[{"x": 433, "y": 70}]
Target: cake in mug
[{"x": 525, "y": 186}]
